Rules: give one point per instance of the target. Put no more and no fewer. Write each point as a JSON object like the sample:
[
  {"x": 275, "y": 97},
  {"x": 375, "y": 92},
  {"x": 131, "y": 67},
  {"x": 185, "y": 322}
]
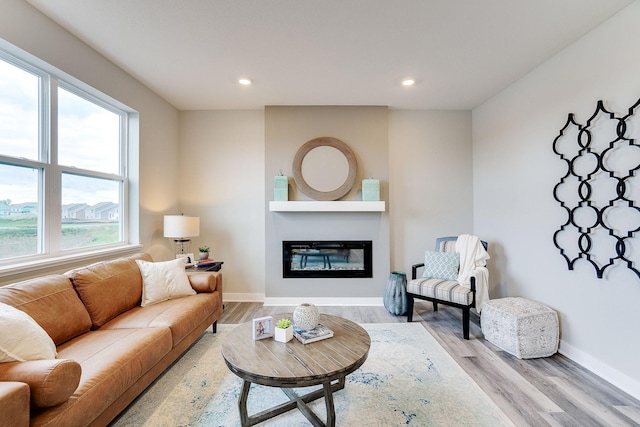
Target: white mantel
[{"x": 323, "y": 206}]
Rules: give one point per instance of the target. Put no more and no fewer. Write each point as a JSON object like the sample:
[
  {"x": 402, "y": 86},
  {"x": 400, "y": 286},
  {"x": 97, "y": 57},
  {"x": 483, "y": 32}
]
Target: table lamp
[{"x": 180, "y": 228}]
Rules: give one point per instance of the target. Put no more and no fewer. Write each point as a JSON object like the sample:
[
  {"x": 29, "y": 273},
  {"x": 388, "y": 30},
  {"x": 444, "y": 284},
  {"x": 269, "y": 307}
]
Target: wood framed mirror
[{"x": 325, "y": 168}]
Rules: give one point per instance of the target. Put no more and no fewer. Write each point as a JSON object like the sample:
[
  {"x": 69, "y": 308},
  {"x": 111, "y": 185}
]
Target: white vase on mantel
[{"x": 306, "y": 316}]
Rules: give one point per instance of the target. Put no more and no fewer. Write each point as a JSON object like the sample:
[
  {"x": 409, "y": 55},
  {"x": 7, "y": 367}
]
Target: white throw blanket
[{"x": 473, "y": 259}]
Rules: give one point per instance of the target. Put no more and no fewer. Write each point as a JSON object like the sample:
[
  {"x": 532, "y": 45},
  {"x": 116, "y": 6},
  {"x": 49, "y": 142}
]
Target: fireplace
[{"x": 327, "y": 259}]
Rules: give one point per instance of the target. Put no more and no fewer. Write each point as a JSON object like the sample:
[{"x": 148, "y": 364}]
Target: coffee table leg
[
  {"x": 295, "y": 401},
  {"x": 247, "y": 421},
  {"x": 328, "y": 401},
  {"x": 242, "y": 403}
]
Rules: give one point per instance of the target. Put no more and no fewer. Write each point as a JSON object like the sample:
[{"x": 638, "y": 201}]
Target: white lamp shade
[{"x": 180, "y": 226}]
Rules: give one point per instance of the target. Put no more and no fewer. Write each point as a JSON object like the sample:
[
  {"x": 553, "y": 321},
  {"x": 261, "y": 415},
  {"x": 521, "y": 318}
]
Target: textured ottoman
[{"x": 522, "y": 327}]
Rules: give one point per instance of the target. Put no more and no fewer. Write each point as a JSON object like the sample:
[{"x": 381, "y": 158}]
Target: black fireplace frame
[{"x": 366, "y": 272}]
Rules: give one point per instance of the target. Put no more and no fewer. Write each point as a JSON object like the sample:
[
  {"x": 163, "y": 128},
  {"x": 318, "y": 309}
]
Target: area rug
[{"x": 408, "y": 379}]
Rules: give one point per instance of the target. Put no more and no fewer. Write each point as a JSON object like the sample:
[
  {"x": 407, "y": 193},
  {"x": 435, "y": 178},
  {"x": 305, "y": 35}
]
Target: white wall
[
  {"x": 430, "y": 184},
  {"x": 222, "y": 162},
  {"x": 515, "y": 171},
  {"x": 25, "y": 27}
]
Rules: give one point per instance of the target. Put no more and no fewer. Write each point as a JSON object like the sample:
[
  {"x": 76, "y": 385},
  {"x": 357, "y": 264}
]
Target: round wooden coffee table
[{"x": 293, "y": 364}]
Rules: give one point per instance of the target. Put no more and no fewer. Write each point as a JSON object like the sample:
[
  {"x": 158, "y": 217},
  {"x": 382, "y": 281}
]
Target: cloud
[{"x": 88, "y": 138}]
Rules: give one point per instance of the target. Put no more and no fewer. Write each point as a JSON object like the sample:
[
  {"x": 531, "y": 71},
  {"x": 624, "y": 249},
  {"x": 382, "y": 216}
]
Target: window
[{"x": 63, "y": 164}]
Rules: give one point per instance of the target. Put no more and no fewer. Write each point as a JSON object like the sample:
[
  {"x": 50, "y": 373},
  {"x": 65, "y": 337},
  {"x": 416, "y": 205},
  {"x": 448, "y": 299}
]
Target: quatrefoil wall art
[{"x": 600, "y": 191}]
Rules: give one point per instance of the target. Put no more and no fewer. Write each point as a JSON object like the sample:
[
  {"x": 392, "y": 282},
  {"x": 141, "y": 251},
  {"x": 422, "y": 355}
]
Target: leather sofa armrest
[
  {"x": 14, "y": 404},
  {"x": 51, "y": 381},
  {"x": 206, "y": 282}
]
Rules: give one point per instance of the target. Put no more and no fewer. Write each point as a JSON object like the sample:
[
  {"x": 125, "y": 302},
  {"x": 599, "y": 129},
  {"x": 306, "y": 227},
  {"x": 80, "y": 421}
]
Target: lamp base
[{"x": 182, "y": 246}]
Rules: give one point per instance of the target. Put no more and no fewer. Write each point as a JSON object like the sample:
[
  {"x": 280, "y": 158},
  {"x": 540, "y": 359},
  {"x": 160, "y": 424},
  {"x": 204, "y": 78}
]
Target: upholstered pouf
[{"x": 524, "y": 328}]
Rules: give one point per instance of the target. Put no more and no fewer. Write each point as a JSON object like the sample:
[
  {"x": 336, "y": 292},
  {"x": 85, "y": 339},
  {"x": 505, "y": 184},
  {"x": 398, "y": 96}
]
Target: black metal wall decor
[{"x": 600, "y": 190}]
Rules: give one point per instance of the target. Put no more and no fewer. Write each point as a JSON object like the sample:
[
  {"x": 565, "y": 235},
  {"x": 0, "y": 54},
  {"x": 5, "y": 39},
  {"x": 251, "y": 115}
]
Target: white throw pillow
[
  {"x": 164, "y": 280},
  {"x": 21, "y": 338}
]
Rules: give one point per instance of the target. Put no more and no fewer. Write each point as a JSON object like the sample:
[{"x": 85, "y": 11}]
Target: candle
[
  {"x": 370, "y": 189},
  {"x": 281, "y": 188}
]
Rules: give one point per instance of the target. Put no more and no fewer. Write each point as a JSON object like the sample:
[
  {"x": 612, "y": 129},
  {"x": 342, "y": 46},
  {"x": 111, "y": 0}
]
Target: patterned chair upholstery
[{"x": 442, "y": 291}]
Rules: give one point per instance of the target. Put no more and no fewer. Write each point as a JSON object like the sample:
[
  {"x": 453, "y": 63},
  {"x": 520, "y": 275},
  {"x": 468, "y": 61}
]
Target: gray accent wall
[{"x": 365, "y": 131}]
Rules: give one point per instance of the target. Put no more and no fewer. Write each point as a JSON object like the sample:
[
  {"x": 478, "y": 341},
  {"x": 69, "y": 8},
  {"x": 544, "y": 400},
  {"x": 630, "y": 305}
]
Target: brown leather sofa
[{"x": 109, "y": 347}]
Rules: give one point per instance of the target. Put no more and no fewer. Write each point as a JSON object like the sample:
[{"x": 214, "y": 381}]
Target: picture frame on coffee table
[{"x": 263, "y": 327}]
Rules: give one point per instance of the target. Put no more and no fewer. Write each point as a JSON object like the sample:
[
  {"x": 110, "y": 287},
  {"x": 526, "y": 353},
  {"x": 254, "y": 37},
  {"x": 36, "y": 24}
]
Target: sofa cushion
[
  {"x": 51, "y": 381},
  {"x": 112, "y": 361},
  {"x": 14, "y": 401},
  {"x": 21, "y": 338},
  {"x": 180, "y": 315},
  {"x": 445, "y": 290},
  {"x": 109, "y": 288},
  {"x": 162, "y": 281},
  {"x": 52, "y": 302}
]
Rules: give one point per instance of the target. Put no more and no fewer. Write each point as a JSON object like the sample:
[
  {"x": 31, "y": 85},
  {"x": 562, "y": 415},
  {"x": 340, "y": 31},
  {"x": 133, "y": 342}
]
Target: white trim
[
  {"x": 604, "y": 371},
  {"x": 49, "y": 252},
  {"x": 45, "y": 263},
  {"x": 315, "y": 206},
  {"x": 293, "y": 301},
  {"x": 241, "y": 297},
  {"x": 324, "y": 301}
]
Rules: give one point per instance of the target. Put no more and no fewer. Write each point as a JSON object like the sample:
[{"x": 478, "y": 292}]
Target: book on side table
[
  {"x": 205, "y": 266},
  {"x": 204, "y": 263},
  {"x": 318, "y": 333}
]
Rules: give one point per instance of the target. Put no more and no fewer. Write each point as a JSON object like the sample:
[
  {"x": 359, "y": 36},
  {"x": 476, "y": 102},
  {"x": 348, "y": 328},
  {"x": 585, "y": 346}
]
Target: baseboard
[
  {"x": 326, "y": 301},
  {"x": 293, "y": 301},
  {"x": 240, "y": 297},
  {"x": 604, "y": 371}
]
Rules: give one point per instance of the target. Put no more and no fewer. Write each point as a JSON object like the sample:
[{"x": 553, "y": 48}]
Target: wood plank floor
[{"x": 552, "y": 391}]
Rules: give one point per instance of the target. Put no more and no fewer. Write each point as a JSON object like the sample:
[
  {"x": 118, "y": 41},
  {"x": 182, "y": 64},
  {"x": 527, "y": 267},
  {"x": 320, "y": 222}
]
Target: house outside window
[{"x": 63, "y": 165}]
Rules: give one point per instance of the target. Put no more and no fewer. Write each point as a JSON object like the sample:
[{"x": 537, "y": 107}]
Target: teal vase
[{"x": 395, "y": 294}]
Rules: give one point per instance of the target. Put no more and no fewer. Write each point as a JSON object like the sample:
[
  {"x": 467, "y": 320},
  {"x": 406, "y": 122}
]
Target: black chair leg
[
  {"x": 465, "y": 323},
  {"x": 409, "y": 308},
  {"x": 435, "y": 306}
]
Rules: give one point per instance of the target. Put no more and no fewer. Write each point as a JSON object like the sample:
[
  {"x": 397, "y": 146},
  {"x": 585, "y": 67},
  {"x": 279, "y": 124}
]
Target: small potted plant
[
  {"x": 283, "y": 330},
  {"x": 204, "y": 252}
]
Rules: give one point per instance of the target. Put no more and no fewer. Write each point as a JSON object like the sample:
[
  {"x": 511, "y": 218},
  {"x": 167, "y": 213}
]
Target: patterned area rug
[{"x": 408, "y": 379}]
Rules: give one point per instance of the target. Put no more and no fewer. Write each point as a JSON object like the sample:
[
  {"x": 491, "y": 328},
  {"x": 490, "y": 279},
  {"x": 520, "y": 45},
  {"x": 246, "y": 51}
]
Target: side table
[
  {"x": 212, "y": 270},
  {"x": 217, "y": 266}
]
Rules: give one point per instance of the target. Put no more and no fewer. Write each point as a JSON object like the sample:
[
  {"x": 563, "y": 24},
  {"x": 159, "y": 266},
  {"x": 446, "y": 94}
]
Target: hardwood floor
[{"x": 552, "y": 391}]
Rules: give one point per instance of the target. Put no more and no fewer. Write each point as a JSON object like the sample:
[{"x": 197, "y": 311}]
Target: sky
[{"x": 88, "y": 137}]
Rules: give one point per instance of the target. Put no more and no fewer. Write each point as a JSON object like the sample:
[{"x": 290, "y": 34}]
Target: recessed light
[
  {"x": 245, "y": 82},
  {"x": 408, "y": 82}
]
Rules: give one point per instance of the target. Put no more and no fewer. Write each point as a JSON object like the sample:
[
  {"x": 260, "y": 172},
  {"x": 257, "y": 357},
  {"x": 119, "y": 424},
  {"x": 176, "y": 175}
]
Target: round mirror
[{"x": 325, "y": 168}]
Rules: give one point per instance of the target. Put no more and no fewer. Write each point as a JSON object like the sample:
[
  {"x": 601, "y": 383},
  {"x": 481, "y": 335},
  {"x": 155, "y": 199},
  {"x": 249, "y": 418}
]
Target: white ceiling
[{"x": 328, "y": 52}]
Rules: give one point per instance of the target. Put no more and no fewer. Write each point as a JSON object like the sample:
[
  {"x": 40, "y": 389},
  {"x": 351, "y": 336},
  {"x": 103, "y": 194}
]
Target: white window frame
[{"x": 49, "y": 226}]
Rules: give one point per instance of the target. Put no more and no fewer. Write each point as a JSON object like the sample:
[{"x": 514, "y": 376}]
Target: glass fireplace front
[{"x": 328, "y": 259}]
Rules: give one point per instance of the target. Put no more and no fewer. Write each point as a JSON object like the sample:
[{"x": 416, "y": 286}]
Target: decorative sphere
[{"x": 306, "y": 316}]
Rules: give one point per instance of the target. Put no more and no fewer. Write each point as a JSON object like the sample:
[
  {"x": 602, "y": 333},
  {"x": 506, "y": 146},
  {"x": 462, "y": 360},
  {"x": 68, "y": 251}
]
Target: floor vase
[{"x": 395, "y": 294}]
